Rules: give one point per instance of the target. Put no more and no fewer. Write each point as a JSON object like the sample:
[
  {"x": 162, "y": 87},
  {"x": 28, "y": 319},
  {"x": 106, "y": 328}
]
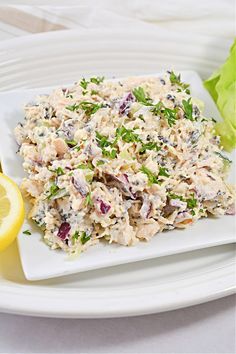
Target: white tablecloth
[{"x": 206, "y": 328}]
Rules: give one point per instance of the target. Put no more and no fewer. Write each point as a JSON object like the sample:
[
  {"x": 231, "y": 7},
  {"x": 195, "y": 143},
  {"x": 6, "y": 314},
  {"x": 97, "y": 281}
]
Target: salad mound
[{"x": 120, "y": 161}]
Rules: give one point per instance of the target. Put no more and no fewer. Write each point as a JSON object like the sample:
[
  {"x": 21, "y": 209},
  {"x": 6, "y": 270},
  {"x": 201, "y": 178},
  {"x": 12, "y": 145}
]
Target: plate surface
[
  {"x": 39, "y": 262},
  {"x": 143, "y": 287}
]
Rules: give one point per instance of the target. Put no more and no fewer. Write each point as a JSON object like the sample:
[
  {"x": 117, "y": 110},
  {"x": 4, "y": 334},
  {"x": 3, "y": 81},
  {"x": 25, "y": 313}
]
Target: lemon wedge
[{"x": 11, "y": 211}]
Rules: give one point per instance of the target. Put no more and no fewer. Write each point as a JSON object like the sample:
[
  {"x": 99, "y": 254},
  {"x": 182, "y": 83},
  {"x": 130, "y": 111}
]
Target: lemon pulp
[{"x": 11, "y": 211}]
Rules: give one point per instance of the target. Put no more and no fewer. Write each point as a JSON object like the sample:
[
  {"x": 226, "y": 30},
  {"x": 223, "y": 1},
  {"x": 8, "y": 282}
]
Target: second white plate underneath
[{"x": 150, "y": 286}]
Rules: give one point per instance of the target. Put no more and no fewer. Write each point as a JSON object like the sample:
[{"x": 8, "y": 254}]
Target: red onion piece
[
  {"x": 125, "y": 103},
  {"x": 104, "y": 207},
  {"x": 63, "y": 231}
]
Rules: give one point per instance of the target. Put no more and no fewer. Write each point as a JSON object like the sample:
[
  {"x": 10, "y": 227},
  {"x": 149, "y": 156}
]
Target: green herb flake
[
  {"x": 176, "y": 80},
  {"x": 73, "y": 107},
  {"x": 27, "y": 232},
  {"x": 83, "y": 83},
  {"x": 59, "y": 171},
  {"x": 103, "y": 143},
  {"x": 141, "y": 97},
  {"x": 94, "y": 92},
  {"x": 53, "y": 190},
  {"x": 141, "y": 117},
  {"x": 102, "y": 140},
  {"x": 97, "y": 80},
  {"x": 169, "y": 114},
  {"x": 157, "y": 108},
  {"x": 163, "y": 172},
  {"x": 76, "y": 235},
  {"x": 109, "y": 153},
  {"x": 87, "y": 166},
  {"x": 149, "y": 146},
  {"x": 150, "y": 175},
  {"x": 127, "y": 135},
  {"x": 71, "y": 143},
  {"x": 88, "y": 199},
  {"x": 191, "y": 202},
  {"x": 100, "y": 162},
  {"x": 84, "y": 238},
  {"x": 188, "y": 109},
  {"x": 89, "y": 107}
]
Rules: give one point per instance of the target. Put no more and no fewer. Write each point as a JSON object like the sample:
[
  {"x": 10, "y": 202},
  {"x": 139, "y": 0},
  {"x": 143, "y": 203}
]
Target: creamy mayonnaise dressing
[{"x": 120, "y": 161}]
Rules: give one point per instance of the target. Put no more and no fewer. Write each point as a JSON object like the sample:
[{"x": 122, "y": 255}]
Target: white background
[{"x": 206, "y": 328}]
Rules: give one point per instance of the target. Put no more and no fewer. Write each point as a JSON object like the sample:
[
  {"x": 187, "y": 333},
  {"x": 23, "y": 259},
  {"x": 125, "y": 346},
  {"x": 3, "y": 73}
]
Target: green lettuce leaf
[{"x": 222, "y": 87}]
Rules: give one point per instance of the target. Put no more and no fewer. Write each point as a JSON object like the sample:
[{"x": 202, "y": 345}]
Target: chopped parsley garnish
[
  {"x": 103, "y": 143},
  {"x": 226, "y": 159},
  {"x": 110, "y": 153},
  {"x": 188, "y": 109},
  {"x": 150, "y": 175},
  {"x": 55, "y": 192},
  {"x": 84, "y": 238},
  {"x": 82, "y": 235},
  {"x": 27, "y": 232},
  {"x": 176, "y": 80},
  {"x": 102, "y": 140},
  {"x": 191, "y": 202},
  {"x": 73, "y": 107},
  {"x": 127, "y": 135},
  {"x": 163, "y": 172},
  {"x": 77, "y": 148},
  {"x": 71, "y": 143},
  {"x": 157, "y": 108},
  {"x": 141, "y": 117},
  {"x": 97, "y": 80},
  {"x": 100, "y": 162},
  {"x": 140, "y": 96},
  {"x": 88, "y": 107},
  {"x": 59, "y": 171},
  {"x": 83, "y": 83},
  {"x": 88, "y": 199},
  {"x": 94, "y": 92},
  {"x": 149, "y": 146},
  {"x": 76, "y": 235},
  {"x": 175, "y": 196},
  {"x": 87, "y": 166},
  {"x": 168, "y": 113}
]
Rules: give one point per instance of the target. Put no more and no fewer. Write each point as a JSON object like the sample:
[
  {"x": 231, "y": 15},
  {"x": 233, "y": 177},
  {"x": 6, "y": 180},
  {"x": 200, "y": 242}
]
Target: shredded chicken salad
[{"x": 120, "y": 161}]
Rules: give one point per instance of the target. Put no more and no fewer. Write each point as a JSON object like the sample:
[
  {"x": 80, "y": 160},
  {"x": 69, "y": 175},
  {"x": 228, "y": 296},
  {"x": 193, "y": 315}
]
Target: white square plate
[{"x": 39, "y": 262}]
